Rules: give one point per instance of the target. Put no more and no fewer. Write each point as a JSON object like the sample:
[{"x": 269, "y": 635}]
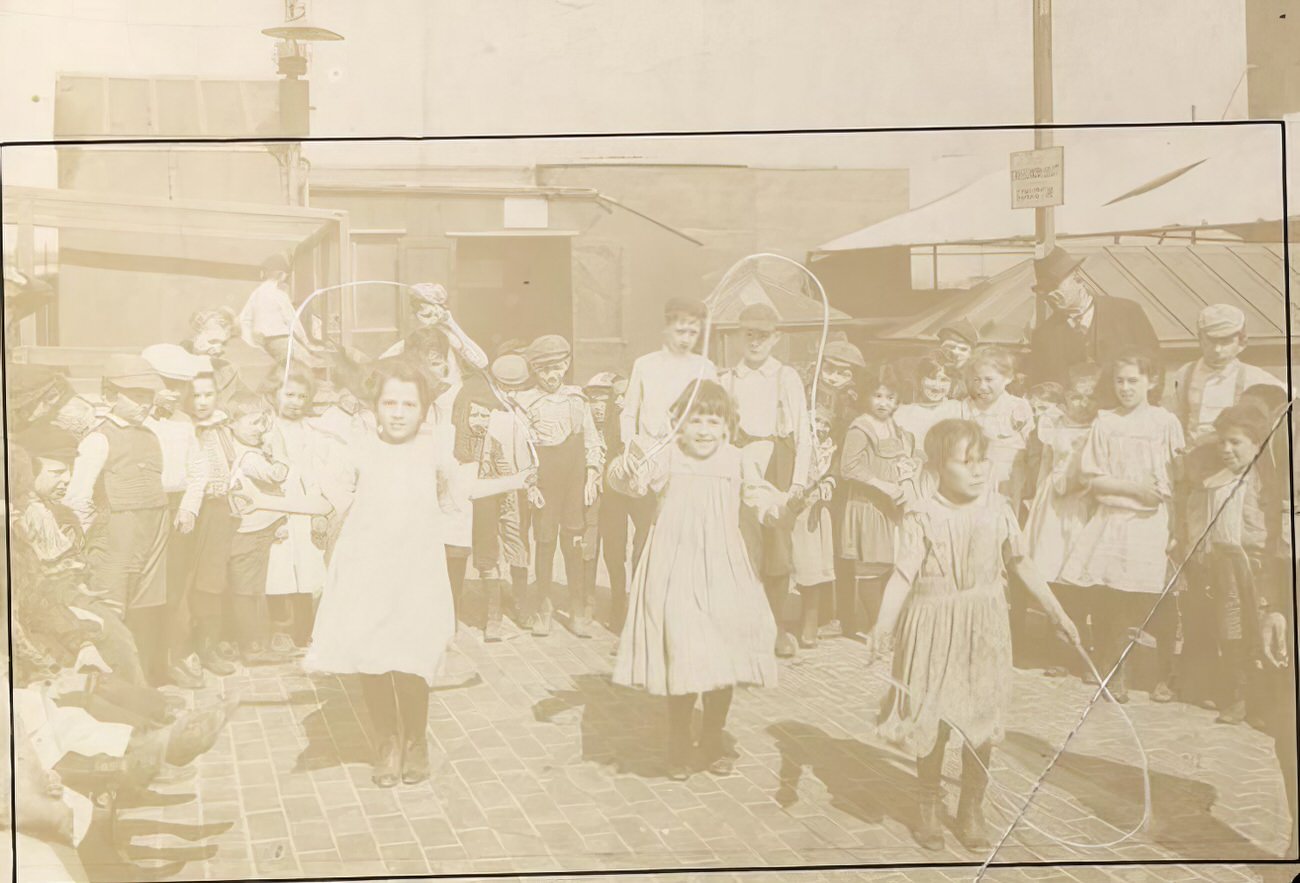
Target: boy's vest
[
  {"x": 132, "y": 474},
  {"x": 1187, "y": 400}
]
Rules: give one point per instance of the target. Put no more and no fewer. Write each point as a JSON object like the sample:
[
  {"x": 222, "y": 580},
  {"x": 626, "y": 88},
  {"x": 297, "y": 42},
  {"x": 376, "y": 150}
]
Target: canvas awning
[
  {"x": 793, "y": 305},
  {"x": 1172, "y": 283},
  {"x": 203, "y": 238},
  {"x": 1135, "y": 181}
]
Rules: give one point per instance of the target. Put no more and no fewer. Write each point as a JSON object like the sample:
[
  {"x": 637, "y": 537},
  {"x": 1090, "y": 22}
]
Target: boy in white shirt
[{"x": 657, "y": 379}]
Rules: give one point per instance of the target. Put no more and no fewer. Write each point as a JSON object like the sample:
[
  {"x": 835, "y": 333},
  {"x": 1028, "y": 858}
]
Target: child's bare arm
[{"x": 1025, "y": 570}]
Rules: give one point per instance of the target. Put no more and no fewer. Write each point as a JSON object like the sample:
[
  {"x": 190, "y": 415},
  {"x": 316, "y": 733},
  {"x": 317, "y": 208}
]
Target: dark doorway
[{"x": 508, "y": 287}]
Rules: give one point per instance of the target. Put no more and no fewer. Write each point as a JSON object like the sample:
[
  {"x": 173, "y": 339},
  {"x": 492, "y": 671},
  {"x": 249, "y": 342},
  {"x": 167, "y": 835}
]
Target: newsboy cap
[
  {"x": 173, "y": 361},
  {"x": 962, "y": 328},
  {"x": 429, "y": 293},
  {"x": 131, "y": 372},
  {"x": 845, "y": 353},
  {"x": 1220, "y": 320},
  {"x": 29, "y": 384},
  {"x": 546, "y": 349},
  {"x": 510, "y": 371}
]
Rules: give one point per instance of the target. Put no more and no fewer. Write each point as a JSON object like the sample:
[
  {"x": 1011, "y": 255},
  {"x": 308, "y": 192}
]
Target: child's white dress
[
  {"x": 297, "y": 565},
  {"x": 387, "y": 604},
  {"x": 919, "y": 418},
  {"x": 698, "y": 618},
  {"x": 1007, "y": 423},
  {"x": 1061, "y": 504},
  {"x": 1123, "y": 544}
]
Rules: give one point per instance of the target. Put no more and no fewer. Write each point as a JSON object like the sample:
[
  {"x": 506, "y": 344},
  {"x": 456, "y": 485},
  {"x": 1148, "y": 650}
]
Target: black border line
[
  {"x": 664, "y": 133},
  {"x": 706, "y": 869}
]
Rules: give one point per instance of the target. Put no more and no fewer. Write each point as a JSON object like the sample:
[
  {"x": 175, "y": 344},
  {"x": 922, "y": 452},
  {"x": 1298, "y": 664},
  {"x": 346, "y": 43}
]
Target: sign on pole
[{"x": 1038, "y": 177}]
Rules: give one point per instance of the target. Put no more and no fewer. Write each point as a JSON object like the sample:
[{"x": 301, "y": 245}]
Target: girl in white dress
[
  {"x": 296, "y": 571},
  {"x": 387, "y": 612},
  {"x": 1121, "y": 554},
  {"x": 1006, "y": 419}
]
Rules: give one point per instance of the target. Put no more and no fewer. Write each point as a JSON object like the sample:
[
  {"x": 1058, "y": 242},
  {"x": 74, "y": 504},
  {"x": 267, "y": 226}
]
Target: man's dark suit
[{"x": 1117, "y": 325}]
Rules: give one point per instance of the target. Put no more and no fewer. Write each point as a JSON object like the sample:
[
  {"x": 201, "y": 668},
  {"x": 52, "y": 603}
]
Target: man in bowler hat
[{"x": 1085, "y": 325}]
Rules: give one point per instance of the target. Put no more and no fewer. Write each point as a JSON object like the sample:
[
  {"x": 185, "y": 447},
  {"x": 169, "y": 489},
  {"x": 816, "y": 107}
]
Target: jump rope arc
[
  {"x": 1103, "y": 683},
  {"x": 708, "y": 326},
  {"x": 496, "y": 391}
]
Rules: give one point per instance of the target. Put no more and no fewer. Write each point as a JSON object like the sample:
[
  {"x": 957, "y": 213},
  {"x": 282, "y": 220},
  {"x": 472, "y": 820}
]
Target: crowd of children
[{"x": 191, "y": 523}]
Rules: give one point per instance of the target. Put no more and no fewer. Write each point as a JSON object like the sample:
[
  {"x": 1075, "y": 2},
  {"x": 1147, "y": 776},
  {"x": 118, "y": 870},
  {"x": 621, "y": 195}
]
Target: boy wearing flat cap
[
  {"x": 773, "y": 427},
  {"x": 1205, "y": 388},
  {"x": 607, "y": 519},
  {"x": 185, "y": 475},
  {"x": 572, "y": 457},
  {"x": 657, "y": 379},
  {"x": 116, "y": 491},
  {"x": 957, "y": 340},
  {"x": 510, "y": 429}
]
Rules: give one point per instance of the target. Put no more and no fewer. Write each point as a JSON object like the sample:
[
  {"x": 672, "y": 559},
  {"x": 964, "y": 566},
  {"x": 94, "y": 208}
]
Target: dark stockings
[{"x": 456, "y": 567}]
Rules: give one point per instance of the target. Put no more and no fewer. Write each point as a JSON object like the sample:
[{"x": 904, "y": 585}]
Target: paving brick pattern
[{"x": 544, "y": 765}]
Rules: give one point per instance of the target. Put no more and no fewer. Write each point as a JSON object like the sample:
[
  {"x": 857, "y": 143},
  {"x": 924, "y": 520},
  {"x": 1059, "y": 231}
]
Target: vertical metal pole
[{"x": 1044, "y": 218}]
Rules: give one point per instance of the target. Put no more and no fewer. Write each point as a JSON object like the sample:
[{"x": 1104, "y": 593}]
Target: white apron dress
[
  {"x": 296, "y": 564},
  {"x": 387, "y": 604}
]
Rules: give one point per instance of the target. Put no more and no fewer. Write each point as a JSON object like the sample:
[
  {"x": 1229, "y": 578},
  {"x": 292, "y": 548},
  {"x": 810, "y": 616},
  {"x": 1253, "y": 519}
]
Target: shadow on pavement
[
  {"x": 863, "y": 781},
  {"x": 621, "y": 728}
]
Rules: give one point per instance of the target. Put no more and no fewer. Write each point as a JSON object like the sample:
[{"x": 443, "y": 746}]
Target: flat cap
[
  {"x": 429, "y": 293},
  {"x": 962, "y": 328},
  {"x": 510, "y": 371},
  {"x": 173, "y": 361},
  {"x": 603, "y": 380},
  {"x": 547, "y": 348},
  {"x": 759, "y": 317},
  {"x": 49, "y": 442},
  {"x": 30, "y": 383},
  {"x": 845, "y": 352},
  {"x": 131, "y": 372},
  {"x": 1220, "y": 320},
  {"x": 686, "y": 306}
]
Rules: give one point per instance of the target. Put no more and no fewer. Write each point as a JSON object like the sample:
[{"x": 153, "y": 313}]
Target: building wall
[
  {"x": 625, "y": 266},
  {"x": 499, "y": 66}
]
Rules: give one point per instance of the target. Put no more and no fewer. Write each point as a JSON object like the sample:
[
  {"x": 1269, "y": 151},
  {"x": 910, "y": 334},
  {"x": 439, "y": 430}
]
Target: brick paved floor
[{"x": 544, "y": 765}]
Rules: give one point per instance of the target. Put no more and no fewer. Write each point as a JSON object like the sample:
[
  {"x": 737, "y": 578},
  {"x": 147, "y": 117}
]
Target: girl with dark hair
[
  {"x": 945, "y": 613},
  {"x": 879, "y": 465},
  {"x": 698, "y": 619},
  {"x": 387, "y": 613}
]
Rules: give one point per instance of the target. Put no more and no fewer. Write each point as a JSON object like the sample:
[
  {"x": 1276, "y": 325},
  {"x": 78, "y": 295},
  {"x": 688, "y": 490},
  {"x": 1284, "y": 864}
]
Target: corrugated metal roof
[{"x": 1171, "y": 282}]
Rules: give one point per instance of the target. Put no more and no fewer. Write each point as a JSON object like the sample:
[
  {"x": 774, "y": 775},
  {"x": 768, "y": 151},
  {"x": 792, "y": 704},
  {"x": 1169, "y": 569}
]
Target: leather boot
[
  {"x": 929, "y": 830},
  {"x": 388, "y": 763},
  {"x": 970, "y": 828},
  {"x": 415, "y": 760}
]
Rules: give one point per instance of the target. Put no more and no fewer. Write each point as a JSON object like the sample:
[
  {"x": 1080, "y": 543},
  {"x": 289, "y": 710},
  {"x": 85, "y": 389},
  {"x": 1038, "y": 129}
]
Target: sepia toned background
[{"x": 545, "y": 765}]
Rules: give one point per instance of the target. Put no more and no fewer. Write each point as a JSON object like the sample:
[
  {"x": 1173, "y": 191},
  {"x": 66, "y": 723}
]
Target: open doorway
[{"x": 508, "y": 286}]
